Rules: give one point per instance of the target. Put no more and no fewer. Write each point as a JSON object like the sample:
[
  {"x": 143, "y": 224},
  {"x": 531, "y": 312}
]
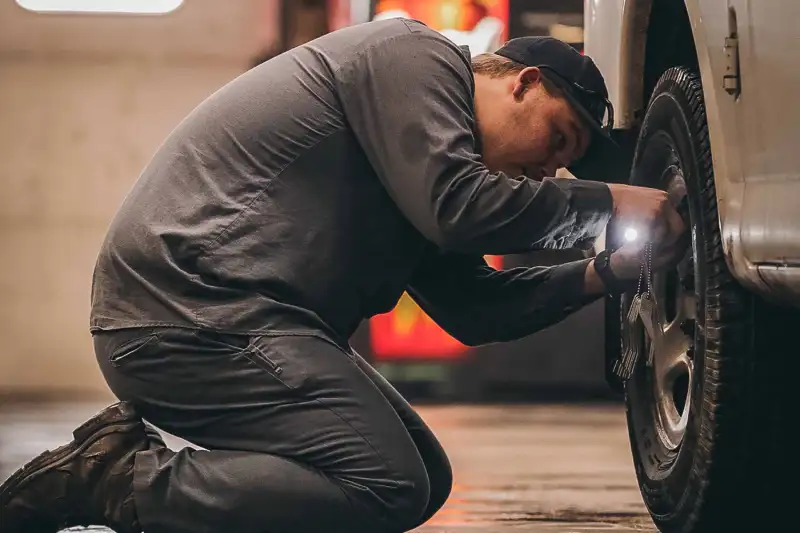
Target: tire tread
[{"x": 743, "y": 425}]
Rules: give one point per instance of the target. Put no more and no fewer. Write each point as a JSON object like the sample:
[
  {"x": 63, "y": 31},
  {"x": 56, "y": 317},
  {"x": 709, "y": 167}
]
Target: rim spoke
[
  {"x": 685, "y": 306},
  {"x": 672, "y": 361},
  {"x": 673, "y": 350}
]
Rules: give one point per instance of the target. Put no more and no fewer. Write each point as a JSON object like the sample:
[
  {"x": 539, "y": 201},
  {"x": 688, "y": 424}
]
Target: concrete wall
[{"x": 84, "y": 102}]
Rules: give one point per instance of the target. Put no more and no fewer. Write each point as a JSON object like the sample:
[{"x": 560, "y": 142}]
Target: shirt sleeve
[
  {"x": 477, "y": 304},
  {"x": 409, "y": 102}
]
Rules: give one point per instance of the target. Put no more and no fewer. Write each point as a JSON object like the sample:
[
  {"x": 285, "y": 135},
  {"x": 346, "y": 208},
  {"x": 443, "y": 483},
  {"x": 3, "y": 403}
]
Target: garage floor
[{"x": 520, "y": 469}]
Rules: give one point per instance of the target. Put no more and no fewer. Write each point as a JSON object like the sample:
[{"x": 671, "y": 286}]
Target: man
[{"x": 295, "y": 202}]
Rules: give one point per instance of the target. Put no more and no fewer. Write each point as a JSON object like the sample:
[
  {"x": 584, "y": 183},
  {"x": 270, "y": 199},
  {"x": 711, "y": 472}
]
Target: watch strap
[{"x": 602, "y": 265}]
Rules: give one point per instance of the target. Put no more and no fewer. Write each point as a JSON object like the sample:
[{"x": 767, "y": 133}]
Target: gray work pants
[{"x": 300, "y": 435}]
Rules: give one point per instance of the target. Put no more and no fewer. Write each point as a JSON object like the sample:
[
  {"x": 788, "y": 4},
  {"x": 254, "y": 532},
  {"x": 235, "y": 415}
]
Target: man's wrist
[
  {"x": 610, "y": 283},
  {"x": 611, "y": 280},
  {"x": 593, "y": 284}
]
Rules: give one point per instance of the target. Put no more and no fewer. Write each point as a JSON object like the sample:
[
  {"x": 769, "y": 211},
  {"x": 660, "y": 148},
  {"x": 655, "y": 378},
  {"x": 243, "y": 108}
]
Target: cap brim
[
  {"x": 602, "y": 153},
  {"x": 601, "y": 157}
]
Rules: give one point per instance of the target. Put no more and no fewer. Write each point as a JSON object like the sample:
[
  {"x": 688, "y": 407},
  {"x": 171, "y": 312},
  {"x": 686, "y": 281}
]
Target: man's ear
[{"x": 527, "y": 78}]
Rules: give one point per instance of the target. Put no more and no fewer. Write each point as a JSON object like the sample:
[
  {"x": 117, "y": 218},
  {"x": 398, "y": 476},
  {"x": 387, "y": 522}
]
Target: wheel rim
[{"x": 671, "y": 365}]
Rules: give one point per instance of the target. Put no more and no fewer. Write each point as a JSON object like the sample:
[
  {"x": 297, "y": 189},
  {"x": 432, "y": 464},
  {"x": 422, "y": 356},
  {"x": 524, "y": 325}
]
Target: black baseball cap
[{"x": 584, "y": 88}]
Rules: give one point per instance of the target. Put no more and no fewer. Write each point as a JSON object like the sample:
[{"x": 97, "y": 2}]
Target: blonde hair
[{"x": 496, "y": 66}]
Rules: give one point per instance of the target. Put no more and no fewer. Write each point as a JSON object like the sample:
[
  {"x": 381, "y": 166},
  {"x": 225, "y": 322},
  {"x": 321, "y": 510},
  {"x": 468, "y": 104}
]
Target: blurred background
[{"x": 88, "y": 91}]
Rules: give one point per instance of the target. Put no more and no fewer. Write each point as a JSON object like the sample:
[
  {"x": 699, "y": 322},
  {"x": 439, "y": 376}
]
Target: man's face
[{"x": 531, "y": 131}]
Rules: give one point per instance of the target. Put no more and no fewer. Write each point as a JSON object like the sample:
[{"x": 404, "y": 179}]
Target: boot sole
[{"x": 120, "y": 417}]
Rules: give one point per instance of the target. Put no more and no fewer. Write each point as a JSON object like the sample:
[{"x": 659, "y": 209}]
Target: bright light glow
[
  {"x": 631, "y": 234},
  {"x": 101, "y": 6},
  {"x": 392, "y": 14},
  {"x": 485, "y": 37}
]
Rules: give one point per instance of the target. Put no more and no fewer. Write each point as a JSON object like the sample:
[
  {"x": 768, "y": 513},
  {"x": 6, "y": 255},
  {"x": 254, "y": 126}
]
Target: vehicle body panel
[{"x": 757, "y": 168}]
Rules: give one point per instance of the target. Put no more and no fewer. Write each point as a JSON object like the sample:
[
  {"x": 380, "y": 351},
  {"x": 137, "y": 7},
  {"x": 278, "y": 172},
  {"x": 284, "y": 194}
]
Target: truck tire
[{"x": 708, "y": 419}]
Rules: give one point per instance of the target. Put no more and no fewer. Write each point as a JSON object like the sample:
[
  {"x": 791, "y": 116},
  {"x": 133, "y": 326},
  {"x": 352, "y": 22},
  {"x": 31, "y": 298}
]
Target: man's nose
[
  {"x": 558, "y": 161},
  {"x": 565, "y": 159}
]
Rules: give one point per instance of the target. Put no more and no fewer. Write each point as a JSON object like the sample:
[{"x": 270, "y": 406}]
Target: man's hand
[
  {"x": 650, "y": 212},
  {"x": 627, "y": 261}
]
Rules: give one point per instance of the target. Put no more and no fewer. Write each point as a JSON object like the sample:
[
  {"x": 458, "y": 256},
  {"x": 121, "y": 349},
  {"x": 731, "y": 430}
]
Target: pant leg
[
  {"x": 437, "y": 464},
  {"x": 298, "y": 437}
]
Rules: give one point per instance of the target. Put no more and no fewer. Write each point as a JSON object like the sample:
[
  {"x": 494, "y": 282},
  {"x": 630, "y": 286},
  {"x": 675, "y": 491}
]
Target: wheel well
[
  {"x": 670, "y": 43},
  {"x": 665, "y": 28}
]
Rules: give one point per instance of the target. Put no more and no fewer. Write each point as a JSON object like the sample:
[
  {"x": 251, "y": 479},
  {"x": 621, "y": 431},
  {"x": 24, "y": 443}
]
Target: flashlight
[{"x": 631, "y": 234}]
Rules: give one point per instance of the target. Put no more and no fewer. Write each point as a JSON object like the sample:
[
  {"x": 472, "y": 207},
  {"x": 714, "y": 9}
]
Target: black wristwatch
[{"x": 602, "y": 265}]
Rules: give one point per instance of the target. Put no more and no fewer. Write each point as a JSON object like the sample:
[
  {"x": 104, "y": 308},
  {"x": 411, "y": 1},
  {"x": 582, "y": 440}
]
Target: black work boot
[{"x": 86, "y": 482}]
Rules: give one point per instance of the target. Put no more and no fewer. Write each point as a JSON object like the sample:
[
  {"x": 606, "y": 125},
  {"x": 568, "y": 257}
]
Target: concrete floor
[{"x": 518, "y": 469}]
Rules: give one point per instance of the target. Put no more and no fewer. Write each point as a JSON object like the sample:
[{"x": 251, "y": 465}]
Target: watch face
[{"x": 604, "y": 258}]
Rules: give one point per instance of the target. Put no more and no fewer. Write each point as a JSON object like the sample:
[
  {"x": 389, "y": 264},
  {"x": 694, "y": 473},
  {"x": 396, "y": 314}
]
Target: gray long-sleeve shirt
[{"x": 311, "y": 191}]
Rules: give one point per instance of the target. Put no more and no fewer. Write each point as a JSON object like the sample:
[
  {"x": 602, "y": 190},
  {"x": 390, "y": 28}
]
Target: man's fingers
[
  {"x": 670, "y": 256},
  {"x": 649, "y": 212},
  {"x": 667, "y": 229},
  {"x": 659, "y": 230}
]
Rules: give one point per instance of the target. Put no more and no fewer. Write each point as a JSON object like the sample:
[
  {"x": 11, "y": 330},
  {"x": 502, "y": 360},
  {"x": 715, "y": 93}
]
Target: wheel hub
[{"x": 671, "y": 365}]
